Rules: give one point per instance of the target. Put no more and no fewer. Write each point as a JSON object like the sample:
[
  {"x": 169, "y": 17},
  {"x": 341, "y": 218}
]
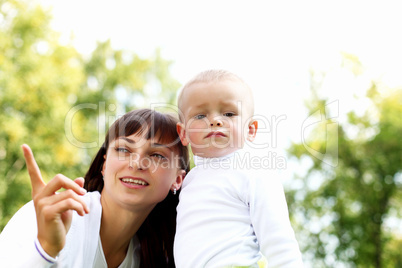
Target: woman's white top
[
  {"x": 229, "y": 214},
  {"x": 128, "y": 262},
  {"x": 19, "y": 246}
]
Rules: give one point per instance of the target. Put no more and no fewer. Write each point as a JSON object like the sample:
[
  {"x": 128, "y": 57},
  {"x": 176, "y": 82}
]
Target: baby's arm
[{"x": 270, "y": 219}]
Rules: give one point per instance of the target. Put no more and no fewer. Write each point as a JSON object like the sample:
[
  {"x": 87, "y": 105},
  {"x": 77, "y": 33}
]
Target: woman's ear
[
  {"x": 182, "y": 133},
  {"x": 103, "y": 166},
  {"x": 252, "y": 130},
  {"x": 181, "y": 173}
]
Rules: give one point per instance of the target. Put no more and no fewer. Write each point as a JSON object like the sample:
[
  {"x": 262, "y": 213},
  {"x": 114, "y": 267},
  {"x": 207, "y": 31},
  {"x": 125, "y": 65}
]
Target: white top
[
  {"x": 227, "y": 215},
  {"x": 128, "y": 262},
  {"x": 19, "y": 246}
]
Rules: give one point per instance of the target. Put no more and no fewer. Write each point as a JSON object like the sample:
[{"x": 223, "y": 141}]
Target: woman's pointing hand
[{"x": 54, "y": 211}]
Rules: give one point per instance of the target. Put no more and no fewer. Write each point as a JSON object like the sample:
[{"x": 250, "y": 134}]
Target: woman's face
[{"x": 140, "y": 172}]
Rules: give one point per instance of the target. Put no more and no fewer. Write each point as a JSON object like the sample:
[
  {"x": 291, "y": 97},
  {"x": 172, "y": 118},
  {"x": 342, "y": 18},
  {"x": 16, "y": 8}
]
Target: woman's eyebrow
[
  {"x": 152, "y": 144},
  {"x": 127, "y": 139},
  {"x": 160, "y": 145}
]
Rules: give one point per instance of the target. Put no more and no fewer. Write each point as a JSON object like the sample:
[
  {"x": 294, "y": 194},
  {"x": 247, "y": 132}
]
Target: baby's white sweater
[{"x": 228, "y": 216}]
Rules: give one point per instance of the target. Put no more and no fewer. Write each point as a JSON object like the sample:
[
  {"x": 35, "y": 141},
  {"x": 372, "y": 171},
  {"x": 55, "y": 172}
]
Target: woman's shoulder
[
  {"x": 93, "y": 201},
  {"x": 26, "y": 214},
  {"x": 81, "y": 223},
  {"x": 20, "y": 228},
  {"x": 92, "y": 198}
]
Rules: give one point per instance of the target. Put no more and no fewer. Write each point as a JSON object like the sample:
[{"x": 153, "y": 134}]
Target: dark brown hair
[{"x": 156, "y": 234}]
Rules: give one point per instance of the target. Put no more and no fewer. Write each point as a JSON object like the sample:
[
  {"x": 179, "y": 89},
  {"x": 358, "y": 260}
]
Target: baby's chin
[{"x": 215, "y": 152}]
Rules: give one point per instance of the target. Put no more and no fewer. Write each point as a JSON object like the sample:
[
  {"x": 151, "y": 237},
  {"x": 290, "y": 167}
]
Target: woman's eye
[
  {"x": 228, "y": 114},
  {"x": 200, "y": 116},
  {"x": 121, "y": 150},
  {"x": 156, "y": 155}
]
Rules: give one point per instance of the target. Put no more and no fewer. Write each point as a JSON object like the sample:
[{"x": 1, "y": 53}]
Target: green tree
[
  {"x": 354, "y": 184},
  {"x": 59, "y": 101}
]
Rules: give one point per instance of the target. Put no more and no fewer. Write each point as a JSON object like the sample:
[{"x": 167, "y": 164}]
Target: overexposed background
[{"x": 272, "y": 45}]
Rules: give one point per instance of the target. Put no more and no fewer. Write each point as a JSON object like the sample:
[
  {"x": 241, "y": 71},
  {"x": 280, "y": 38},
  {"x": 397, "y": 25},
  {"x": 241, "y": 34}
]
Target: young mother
[{"x": 128, "y": 216}]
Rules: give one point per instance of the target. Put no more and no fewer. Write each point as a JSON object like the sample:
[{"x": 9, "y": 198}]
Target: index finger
[{"x": 33, "y": 170}]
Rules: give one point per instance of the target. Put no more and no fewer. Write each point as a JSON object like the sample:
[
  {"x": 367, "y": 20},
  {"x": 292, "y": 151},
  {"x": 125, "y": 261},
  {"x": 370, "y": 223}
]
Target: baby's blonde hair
[{"x": 213, "y": 76}]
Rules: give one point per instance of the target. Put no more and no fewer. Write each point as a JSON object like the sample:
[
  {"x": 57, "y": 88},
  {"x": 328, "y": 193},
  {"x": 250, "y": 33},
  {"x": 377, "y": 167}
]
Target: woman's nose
[{"x": 137, "y": 162}]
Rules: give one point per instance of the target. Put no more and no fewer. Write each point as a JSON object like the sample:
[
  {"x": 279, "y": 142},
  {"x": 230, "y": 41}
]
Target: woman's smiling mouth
[{"x": 134, "y": 181}]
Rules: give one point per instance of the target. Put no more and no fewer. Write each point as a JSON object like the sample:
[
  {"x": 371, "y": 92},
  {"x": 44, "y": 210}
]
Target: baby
[{"x": 226, "y": 216}]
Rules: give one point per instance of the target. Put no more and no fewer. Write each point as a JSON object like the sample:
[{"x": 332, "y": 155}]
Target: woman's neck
[{"x": 118, "y": 226}]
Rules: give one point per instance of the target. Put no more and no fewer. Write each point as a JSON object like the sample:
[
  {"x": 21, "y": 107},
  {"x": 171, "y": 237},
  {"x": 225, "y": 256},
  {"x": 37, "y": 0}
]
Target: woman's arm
[
  {"x": 37, "y": 233},
  {"x": 54, "y": 211},
  {"x": 17, "y": 241}
]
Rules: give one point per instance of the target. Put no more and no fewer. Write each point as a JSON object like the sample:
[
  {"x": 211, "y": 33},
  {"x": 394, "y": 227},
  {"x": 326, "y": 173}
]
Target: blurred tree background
[
  {"x": 348, "y": 207},
  {"x": 60, "y": 102}
]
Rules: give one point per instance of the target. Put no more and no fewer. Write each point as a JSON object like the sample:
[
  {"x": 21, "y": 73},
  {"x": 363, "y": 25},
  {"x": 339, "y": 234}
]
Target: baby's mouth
[{"x": 215, "y": 134}]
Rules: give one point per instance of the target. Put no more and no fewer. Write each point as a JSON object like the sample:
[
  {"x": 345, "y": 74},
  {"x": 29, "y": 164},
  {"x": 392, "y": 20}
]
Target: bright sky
[{"x": 271, "y": 44}]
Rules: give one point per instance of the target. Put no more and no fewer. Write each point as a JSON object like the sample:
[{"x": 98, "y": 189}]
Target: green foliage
[
  {"x": 343, "y": 215},
  {"x": 60, "y": 102}
]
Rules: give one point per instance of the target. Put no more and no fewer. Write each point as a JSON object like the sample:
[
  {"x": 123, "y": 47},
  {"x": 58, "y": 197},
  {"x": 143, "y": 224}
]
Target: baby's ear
[
  {"x": 182, "y": 133},
  {"x": 252, "y": 130}
]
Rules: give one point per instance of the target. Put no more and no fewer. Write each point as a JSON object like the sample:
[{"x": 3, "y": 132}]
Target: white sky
[{"x": 271, "y": 44}]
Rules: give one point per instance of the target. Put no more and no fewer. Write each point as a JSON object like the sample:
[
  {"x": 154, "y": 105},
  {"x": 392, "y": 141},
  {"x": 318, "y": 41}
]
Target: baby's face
[{"x": 216, "y": 117}]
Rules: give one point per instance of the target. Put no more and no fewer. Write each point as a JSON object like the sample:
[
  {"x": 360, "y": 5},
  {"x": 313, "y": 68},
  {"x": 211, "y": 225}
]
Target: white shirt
[
  {"x": 228, "y": 217},
  {"x": 128, "y": 262},
  {"x": 19, "y": 246}
]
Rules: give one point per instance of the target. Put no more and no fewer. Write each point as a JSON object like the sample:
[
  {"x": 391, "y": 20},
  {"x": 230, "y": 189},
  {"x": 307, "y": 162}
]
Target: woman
[{"x": 128, "y": 217}]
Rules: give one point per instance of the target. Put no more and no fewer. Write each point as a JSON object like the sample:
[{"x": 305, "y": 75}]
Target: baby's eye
[
  {"x": 200, "y": 116},
  {"x": 228, "y": 114}
]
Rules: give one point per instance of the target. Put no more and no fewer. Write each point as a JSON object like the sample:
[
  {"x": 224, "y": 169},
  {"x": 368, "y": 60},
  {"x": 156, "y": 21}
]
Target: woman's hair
[{"x": 157, "y": 233}]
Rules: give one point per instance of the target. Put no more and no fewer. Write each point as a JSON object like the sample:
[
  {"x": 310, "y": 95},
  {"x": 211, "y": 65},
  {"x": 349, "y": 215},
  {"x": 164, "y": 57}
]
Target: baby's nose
[{"x": 216, "y": 122}]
